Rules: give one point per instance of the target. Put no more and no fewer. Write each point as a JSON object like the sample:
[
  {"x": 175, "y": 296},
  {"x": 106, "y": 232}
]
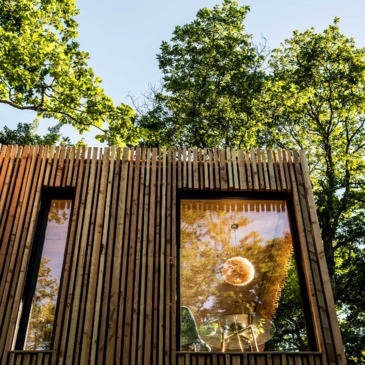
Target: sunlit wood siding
[{"x": 117, "y": 302}]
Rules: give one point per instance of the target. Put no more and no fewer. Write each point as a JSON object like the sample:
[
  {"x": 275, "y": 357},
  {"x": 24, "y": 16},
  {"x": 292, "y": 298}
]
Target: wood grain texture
[{"x": 117, "y": 300}]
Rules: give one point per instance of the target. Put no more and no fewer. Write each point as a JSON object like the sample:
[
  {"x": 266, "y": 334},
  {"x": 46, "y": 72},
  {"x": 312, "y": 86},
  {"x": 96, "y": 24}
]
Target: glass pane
[
  {"x": 235, "y": 259},
  {"x": 40, "y": 325}
]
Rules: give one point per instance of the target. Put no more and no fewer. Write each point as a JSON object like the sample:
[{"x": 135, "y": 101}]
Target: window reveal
[{"x": 40, "y": 301}]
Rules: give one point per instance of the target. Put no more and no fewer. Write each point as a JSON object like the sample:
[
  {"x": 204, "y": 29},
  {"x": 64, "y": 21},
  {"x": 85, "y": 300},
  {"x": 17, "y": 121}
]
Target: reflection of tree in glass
[
  {"x": 58, "y": 211},
  {"x": 207, "y": 241},
  {"x": 39, "y": 334},
  {"x": 289, "y": 320}
]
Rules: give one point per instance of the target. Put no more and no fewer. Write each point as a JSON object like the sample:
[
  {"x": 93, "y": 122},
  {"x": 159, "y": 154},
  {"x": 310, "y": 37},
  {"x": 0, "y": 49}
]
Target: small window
[
  {"x": 236, "y": 262},
  {"x": 44, "y": 276}
]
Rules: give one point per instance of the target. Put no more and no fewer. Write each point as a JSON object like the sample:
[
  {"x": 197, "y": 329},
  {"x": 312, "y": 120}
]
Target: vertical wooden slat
[
  {"x": 126, "y": 234},
  {"x": 185, "y": 167},
  {"x": 147, "y": 341},
  {"x": 83, "y": 339},
  {"x": 162, "y": 295},
  {"x": 195, "y": 169},
  {"x": 265, "y": 167},
  {"x": 242, "y": 170},
  {"x": 217, "y": 183},
  {"x": 128, "y": 316},
  {"x": 7, "y": 160},
  {"x": 249, "y": 172},
  {"x": 60, "y": 167},
  {"x": 254, "y": 169},
  {"x": 206, "y": 162},
  {"x": 71, "y": 162},
  {"x": 108, "y": 245},
  {"x": 190, "y": 162},
  {"x": 229, "y": 168},
  {"x": 50, "y": 154},
  {"x": 271, "y": 171},
  {"x": 223, "y": 170},
  {"x": 174, "y": 263},
  {"x": 260, "y": 165},
  {"x": 235, "y": 169},
  {"x": 157, "y": 261},
  {"x": 285, "y": 155},
  {"x": 78, "y": 153},
  {"x": 281, "y": 170},
  {"x": 168, "y": 243},
  {"x": 276, "y": 170},
  {"x": 138, "y": 259},
  {"x": 104, "y": 204},
  {"x": 180, "y": 171},
  {"x": 211, "y": 170},
  {"x": 201, "y": 169},
  {"x": 54, "y": 163},
  {"x": 114, "y": 324},
  {"x": 66, "y": 167}
]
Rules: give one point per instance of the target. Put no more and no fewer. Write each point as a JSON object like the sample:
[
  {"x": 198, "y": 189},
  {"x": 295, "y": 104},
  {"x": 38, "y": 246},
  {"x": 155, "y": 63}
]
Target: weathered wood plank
[
  {"x": 162, "y": 258},
  {"x": 254, "y": 169},
  {"x": 242, "y": 170},
  {"x": 140, "y": 242},
  {"x": 60, "y": 167},
  {"x": 235, "y": 169},
  {"x": 108, "y": 246},
  {"x": 156, "y": 267},
  {"x": 271, "y": 171},
  {"x": 114, "y": 326},
  {"x": 223, "y": 170},
  {"x": 195, "y": 169},
  {"x": 217, "y": 182},
  {"x": 229, "y": 168}
]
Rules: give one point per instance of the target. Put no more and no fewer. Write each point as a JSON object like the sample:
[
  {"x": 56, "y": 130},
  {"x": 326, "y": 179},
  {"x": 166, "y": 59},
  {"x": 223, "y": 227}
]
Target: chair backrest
[{"x": 188, "y": 328}]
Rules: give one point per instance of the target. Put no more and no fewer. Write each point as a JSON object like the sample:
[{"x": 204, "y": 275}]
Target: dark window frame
[
  {"x": 304, "y": 290},
  {"x": 47, "y": 195}
]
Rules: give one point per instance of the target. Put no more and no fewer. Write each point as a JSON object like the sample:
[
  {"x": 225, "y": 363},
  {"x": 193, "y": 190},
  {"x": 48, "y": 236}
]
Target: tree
[
  {"x": 26, "y": 134},
  {"x": 211, "y": 74},
  {"x": 43, "y": 69},
  {"x": 315, "y": 100},
  {"x": 40, "y": 327}
]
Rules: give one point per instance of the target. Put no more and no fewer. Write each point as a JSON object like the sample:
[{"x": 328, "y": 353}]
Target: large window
[
  {"x": 236, "y": 269},
  {"x": 44, "y": 276}
]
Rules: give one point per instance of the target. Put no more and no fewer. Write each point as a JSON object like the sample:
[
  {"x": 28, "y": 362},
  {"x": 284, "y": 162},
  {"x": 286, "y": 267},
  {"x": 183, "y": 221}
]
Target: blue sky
[{"x": 123, "y": 37}]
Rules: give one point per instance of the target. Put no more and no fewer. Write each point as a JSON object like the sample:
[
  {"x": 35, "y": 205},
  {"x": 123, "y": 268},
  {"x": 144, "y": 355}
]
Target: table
[{"x": 240, "y": 331}]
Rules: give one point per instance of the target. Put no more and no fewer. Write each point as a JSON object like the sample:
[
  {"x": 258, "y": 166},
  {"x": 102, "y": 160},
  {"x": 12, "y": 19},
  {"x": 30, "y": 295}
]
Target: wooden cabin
[{"x": 108, "y": 255}]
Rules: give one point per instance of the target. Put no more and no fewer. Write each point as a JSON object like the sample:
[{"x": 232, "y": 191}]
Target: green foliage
[
  {"x": 315, "y": 100},
  {"x": 211, "y": 74},
  {"x": 26, "y": 134},
  {"x": 290, "y": 334},
  {"x": 43, "y": 69}
]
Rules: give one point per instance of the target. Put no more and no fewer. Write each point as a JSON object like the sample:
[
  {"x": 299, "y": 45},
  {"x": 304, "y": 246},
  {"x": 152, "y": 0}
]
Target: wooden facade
[{"x": 118, "y": 297}]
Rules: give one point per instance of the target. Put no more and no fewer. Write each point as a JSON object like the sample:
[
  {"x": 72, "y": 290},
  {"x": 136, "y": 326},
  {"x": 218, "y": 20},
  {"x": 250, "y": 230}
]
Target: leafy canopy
[
  {"x": 211, "y": 73},
  {"x": 315, "y": 100},
  {"x": 43, "y": 69},
  {"x": 26, "y": 134}
]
